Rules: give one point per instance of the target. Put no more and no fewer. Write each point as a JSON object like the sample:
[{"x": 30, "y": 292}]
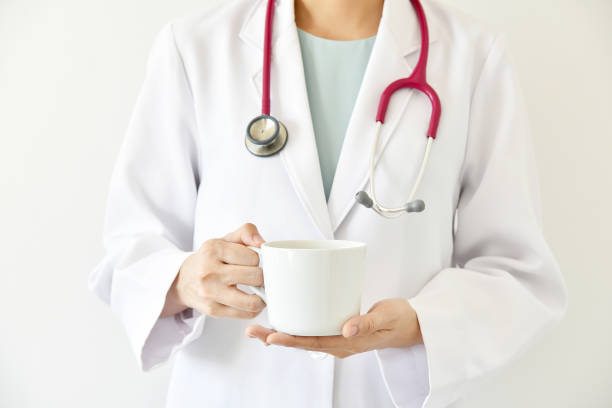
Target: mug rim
[{"x": 344, "y": 244}]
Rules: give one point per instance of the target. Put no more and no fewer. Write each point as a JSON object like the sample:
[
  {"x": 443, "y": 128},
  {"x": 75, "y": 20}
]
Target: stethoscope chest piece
[{"x": 265, "y": 136}]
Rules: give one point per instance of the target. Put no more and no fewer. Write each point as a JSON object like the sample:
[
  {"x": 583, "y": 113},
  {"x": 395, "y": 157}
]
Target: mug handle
[{"x": 258, "y": 290}]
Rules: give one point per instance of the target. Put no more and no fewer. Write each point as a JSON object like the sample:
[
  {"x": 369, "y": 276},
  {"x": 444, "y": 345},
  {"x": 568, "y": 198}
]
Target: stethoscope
[{"x": 267, "y": 135}]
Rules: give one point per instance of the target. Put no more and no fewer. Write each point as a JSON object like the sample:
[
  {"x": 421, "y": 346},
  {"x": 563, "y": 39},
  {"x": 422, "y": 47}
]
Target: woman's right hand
[{"x": 207, "y": 279}]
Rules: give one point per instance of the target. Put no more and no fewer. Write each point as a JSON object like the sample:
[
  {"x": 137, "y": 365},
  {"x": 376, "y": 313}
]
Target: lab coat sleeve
[
  {"x": 506, "y": 285},
  {"x": 148, "y": 230}
]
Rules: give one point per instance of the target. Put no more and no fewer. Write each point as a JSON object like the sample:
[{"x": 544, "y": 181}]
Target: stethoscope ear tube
[
  {"x": 370, "y": 201},
  {"x": 417, "y": 80}
]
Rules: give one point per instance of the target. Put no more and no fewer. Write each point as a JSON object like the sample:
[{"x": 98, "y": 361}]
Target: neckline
[{"x": 328, "y": 40}]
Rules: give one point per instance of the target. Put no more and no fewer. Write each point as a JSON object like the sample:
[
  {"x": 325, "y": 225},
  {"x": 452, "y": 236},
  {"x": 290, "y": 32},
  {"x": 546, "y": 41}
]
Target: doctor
[{"x": 451, "y": 293}]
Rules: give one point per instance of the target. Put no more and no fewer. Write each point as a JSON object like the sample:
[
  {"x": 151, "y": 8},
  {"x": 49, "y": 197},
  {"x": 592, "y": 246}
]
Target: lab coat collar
[
  {"x": 398, "y": 15},
  {"x": 397, "y": 37}
]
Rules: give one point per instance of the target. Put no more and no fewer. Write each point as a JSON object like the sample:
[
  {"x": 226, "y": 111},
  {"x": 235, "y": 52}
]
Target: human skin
[
  {"x": 207, "y": 279},
  {"x": 388, "y": 323}
]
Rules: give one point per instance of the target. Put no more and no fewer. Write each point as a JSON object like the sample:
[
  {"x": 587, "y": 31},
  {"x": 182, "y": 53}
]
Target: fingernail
[
  {"x": 257, "y": 238},
  {"x": 251, "y": 335},
  {"x": 353, "y": 331}
]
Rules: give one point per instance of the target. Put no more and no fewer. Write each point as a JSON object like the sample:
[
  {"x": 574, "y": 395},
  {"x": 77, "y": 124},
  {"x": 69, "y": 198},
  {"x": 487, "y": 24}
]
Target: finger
[
  {"x": 363, "y": 325},
  {"x": 242, "y": 274},
  {"x": 235, "y": 254},
  {"x": 259, "y": 332},
  {"x": 247, "y": 234},
  {"x": 334, "y": 348},
  {"x": 216, "y": 309},
  {"x": 234, "y": 297},
  {"x": 314, "y": 343}
]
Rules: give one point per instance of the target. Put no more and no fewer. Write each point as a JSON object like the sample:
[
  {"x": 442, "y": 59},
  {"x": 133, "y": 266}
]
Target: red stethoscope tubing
[
  {"x": 417, "y": 80},
  {"x": 265, "y": 98}
]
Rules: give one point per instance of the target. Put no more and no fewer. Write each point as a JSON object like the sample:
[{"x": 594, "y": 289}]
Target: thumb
[
  {"x": 362, "y": 325},
  {"x": 247, "y": 234}
]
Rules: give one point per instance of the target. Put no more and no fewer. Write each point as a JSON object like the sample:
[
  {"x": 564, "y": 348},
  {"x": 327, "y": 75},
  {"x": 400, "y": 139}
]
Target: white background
[{"x": 70, "y": 71}]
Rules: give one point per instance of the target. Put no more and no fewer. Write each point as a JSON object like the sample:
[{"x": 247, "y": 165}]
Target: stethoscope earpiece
[
  {"x": 364, "y": 199},
  {"x": 415, "y": 206}
]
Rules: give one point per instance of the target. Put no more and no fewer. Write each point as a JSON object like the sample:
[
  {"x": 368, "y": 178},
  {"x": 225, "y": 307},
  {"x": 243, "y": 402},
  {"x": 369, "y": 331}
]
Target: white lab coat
[{"x": 482, "y": 290}]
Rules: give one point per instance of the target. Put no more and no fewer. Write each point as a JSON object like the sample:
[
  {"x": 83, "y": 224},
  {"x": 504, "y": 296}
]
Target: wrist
[
  {"x": 173, "y": 304},
  {"x": 414, "y": 327}
]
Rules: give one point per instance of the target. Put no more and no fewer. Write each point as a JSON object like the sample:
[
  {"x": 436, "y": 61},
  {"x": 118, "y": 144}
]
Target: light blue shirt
[{"x": 333, "y": 71}]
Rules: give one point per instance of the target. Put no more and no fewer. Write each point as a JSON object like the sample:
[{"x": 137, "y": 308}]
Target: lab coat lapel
[
  {"x": 398, "y": 36},
  {"x": 289, "y": 103}
]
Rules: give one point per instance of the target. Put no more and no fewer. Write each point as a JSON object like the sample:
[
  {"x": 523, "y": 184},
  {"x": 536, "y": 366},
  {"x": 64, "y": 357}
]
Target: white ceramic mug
[{"x": 311, "y": 287}]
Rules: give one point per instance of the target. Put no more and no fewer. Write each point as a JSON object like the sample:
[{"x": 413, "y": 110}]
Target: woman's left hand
[{"x": 388, "y": 323}]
